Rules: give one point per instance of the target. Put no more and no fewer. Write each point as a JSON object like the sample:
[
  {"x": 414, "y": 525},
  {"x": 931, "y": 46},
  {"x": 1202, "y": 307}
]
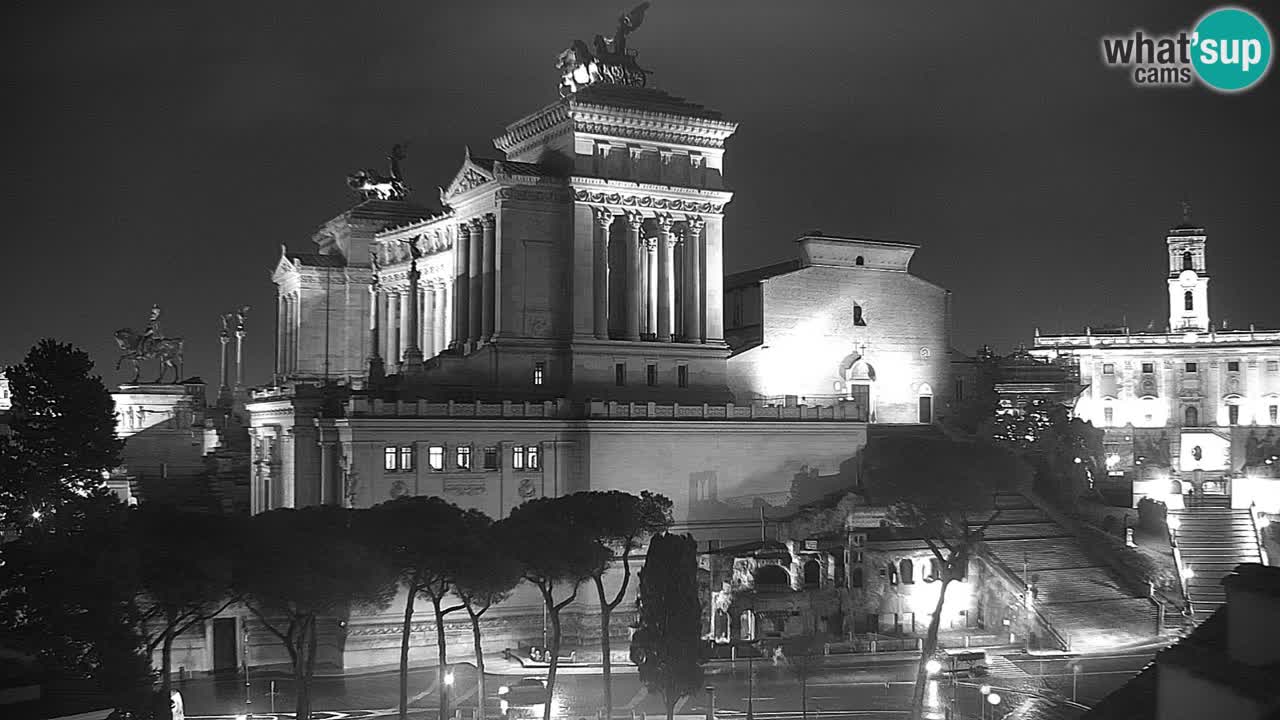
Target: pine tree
[{"x": 667, "y": 645}]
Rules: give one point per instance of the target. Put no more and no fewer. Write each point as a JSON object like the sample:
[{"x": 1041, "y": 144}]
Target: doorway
[
  {"x": 926, "y": 409},
  {"x": 224, "y": 645}
]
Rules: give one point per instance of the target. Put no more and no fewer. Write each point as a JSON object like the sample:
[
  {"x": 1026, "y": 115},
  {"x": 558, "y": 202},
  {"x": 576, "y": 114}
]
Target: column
[
  {"x": 281, "y": 324},
  {"x": 693, "y": 279},
  {"x": 412, "y": 332},
  {"x": 666, "y": 278},
  {"x": 651, "y": 287},
  {"x": 634, "y": 221},
  {"x": 393, "y": 327},
  {"x": 439, "y": 331},
  {"x": 603, "y": 221},
  {"x": 448, "y": 324},
  {"x": 713, "y": 281},
  {"x": 461, "y": 295},
  {"x": 385, "y": 327},
  {"x": 293, "y": 333},
  {"x": 428, "y": 304},
  {"x": 404, "y": 314},
  {"x": 475, "y": 304},
  {"x": 488, "y": 273}
]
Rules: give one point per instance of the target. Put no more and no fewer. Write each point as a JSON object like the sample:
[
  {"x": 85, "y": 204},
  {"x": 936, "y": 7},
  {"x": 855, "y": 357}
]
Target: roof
[
  {"x": 394, "y": 211},
  {"x": 511, "y": 167},
  {"x": 749, "y": 277},
  {"x": 318, "y": 260},
  {"x": 642, "y": 98}
]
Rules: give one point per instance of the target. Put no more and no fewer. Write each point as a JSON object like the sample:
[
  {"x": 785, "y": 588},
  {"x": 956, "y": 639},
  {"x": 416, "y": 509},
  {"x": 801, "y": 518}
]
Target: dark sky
[{"x": 162, "y": 155}]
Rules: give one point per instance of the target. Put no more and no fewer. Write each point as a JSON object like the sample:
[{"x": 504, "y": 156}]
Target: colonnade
[
  {"x": 287, "y": 322},
  {"x": 390, "y": 317},
  {"x": 652, "y": 268}
]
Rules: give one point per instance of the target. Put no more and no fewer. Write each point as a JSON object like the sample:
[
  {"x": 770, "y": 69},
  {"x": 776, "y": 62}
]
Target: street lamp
[
  {"x": 993, "y": 699},
  {"x": 933, "y": 667},
  {"x": 982, "y": 704},
  {"x": 711, "y": 702},
  {"x": 446, "y": 682}
]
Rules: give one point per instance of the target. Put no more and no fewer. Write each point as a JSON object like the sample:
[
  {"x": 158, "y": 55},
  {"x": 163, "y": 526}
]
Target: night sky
[{"x": 161, "y": 155}]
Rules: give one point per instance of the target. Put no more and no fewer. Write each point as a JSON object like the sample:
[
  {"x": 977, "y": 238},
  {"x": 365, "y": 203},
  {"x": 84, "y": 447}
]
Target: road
[{"x": 853, "y": 690}]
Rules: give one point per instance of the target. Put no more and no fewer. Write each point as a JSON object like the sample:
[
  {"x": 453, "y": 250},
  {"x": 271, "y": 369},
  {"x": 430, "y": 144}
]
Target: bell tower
[{"x": 1188, "y": 276}]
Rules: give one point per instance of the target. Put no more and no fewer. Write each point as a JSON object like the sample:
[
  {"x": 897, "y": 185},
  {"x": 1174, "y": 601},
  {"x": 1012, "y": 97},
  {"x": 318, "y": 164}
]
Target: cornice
[
  {"x": 642, "y": 196},
  {"x": 531, "y": 126},
  {"x": 652, "y": 126}
]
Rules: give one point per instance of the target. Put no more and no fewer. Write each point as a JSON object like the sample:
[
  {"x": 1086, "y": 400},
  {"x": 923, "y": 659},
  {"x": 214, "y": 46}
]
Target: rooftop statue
[
  {"x": 372, "y": 186},
  {"x": 611, "y": 62},
  {"x": 150, "y": 344}
]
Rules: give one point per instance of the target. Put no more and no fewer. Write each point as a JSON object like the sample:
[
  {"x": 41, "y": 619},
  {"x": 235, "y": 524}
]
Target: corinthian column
[
  {"x": 651, "y": 287},
  {"x": 410, "y": 332},
  {"x": 461, "y": 286},
  {"x": 693, "y": 279},
  {"x": 394, "y": 343},
  {"x": 438, "y": 323},
  {"x": 666, "y": 279},
  {"x": 475, "y": 306},
  {"x": 604, "y": 220},
  {"x": 489, "y": 273},
  {"x": 634, "y": 221}
]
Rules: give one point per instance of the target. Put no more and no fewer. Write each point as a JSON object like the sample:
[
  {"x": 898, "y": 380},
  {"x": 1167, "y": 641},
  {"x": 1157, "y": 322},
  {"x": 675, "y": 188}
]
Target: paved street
[{"x": 856, "y": 689}]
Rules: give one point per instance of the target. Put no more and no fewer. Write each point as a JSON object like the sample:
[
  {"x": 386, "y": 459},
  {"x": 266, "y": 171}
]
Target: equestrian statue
[{"x": 148, "y": 345}]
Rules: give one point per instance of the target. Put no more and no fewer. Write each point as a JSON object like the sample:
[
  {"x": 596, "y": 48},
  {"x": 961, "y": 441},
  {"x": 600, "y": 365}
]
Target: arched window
[
  {"x": 857, "y": 316},
  {"x": 1191, "y": 416},
  {"x": 1187, "y": 262},
  {"x": 935, "y": 570},
  {"x": 812, "y": 574},
  {"x": 908, "y": 571},
  {"x": 855, "y": 577},
  {"x": 772, "y": 575},
  {"x": 859, "y": 261},
  {"x": 1187, "y": 302}
]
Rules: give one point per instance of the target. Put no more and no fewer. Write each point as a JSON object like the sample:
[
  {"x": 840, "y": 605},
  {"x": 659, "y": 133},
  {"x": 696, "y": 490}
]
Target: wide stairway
[
  {"x": 1081, "y": 597},
  {"x": 1212, "y": 540}
]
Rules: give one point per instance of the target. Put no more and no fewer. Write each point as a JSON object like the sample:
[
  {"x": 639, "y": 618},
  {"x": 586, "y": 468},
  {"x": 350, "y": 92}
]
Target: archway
[
  {"x": 772, "y": 575},
  {"x": 812, "y": 574},
  {"x": 858, "y": 379},
  {"x": 925, "y": 395},
  {"x": 907, "y": 570},
  {"x": 1191, "y": 416}
]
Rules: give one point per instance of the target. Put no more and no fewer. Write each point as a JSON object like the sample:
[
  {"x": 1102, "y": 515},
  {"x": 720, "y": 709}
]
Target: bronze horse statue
[{"x": 136, "y": 348}]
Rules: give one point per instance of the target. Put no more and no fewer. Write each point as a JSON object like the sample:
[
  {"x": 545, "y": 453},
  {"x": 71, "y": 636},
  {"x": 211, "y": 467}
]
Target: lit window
[
  {"x": 532, "y": 459},
  {"x": 525, "y": 457},
  {"x": 1233, "y": 366},
  {"x": 517, "y": 457},
  {"x": 435, "y": 457},
  {"x": 1108, "y": 415},
  {"x": 1192, "y": 367},
  {"x": 463, "y": 457},
  {"x": 651, "y": 375},
  {"x": 1108, "y": 369},
  {"x": 620, "y": 374},
  {"x": 389, "y": 459},
  {"x": 491, "y": 458},
  {"x": 406, "y": 457},
  {"x": 539, "y": 370},
  {"x": 1148, "y": 368},
  {"x": 682, "y": 376}
]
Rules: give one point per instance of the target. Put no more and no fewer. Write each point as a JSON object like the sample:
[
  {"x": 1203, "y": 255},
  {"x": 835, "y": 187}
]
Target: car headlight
[{"x": 504, "y": 690}]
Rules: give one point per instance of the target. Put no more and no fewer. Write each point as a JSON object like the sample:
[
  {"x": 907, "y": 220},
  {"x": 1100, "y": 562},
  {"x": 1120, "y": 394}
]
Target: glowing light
[
  {"x": 932, "y": 698},
  {"x": 36, "y": 514},
  {"x": 985, "y": 689},
  {"x": 242, "y": 717},
  {"x": 933, "y": 667},
  {"x": 994, "y": 698},
  {"x": 1076, "y": 460},
  {"x": 1188, "y": 573},
  {"x": 448, "y": 678},
  {"x": 504, "y": 690},
  {"x": 1112, "y": 460},
  {"x": 1174, "y": 522}
]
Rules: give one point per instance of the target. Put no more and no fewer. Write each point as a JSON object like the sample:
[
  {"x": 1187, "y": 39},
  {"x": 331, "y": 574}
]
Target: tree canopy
[{"x": 62, "y": 433}]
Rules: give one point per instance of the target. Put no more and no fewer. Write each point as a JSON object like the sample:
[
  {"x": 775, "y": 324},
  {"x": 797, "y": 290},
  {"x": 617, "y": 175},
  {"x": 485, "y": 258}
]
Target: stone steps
[
  {"x": 1040, "y": 554},
  {"x": 1075, "y": 585},
  {"x": 1212, "y": 541}
]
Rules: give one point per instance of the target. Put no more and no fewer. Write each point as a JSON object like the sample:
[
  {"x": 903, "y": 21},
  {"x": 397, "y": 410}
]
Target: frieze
[
  {"x": 469, "y": 180},
  {"x": 464, "y": 487},
  {"x": 534, "y": 195},
  {"x": 644, "y": 133},
  {"x": 648, "y": 202}
]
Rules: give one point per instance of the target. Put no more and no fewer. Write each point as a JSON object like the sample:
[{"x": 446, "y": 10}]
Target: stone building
[
  {"x": 558, "y": 325},
  {"x": 1190, "y": 408}
]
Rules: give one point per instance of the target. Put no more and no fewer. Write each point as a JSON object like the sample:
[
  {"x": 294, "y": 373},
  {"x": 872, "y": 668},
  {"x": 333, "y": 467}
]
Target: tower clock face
[{"x": 1187, "y": 278}]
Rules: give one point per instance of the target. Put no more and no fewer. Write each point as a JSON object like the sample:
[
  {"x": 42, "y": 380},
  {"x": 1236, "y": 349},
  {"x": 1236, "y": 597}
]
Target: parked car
[
  {"x": 962, "y": 662},
  {"x": 523, "y": 699}
]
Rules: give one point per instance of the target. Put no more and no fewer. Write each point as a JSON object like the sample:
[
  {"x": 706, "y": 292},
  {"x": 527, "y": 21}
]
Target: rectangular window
[
  {"x": 539, "y": 371},
  {"x": 959, "y": 394},
  {"x": 406, "y": 457},
  {"x": 1148, "y": 368},
  {"x": 525, "y": 457},
  {"x": 463, "y": 457},
  {"x": 682, "y": 376},
  {"x": 491, "y": 458},
  {"x": 1108, "y": 415},
  {"x": 1233, "y": 366},
  {"x": 1108, "y": 369},
  {"x": 651, "y": 375},
  {"x": 435, "y": 457},
  {"x": 1273, "y": 366},
  {"x": 533, "y": 461},
  {"x": 620, "y": 374},
  {"x": 517, "y": 457},
  {"x": 389, "y": 458},
  {"x": 1192, "y": 367},
  {"x": 1233, "y": 414}
]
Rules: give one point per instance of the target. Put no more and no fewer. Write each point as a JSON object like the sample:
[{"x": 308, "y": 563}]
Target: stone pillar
[
  {"x": 448, "y": 324},
  {"x": 651, "y": 287},
  {"x": 439, "y": 331},
  {"x": 603, "y": 221},
  {"x": 462, "y": 286},
  {"x": 223, "y": 338},
  {"x": 426, "y": 298},
  {"x": 281, "y": 324},
  {"x": 489, "y": 274},
  {"x": 393, "y": 327},
  {"x": 375, "y": 368},
  {"x": 693, "y": 279},
  {"x": 403, "y": 320},
  {"x": 411, "y": 332},
  {"x": 240, "y": 332},
  {"x": 634, "y": 221},
  {"x": 475, "y": 304},
  {"x": 291, "y": 357},
  {"x": 666, "y": 278},
  {"x": 713, "y": 281}
]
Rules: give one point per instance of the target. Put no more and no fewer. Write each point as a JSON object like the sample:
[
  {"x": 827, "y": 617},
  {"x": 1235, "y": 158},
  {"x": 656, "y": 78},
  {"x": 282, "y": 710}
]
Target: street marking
[{"x": 680, "y": 704}]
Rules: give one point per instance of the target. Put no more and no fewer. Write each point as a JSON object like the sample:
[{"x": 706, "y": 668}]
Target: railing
[
  {"x": 1257, "y": 533},
  {"x": 730, "y": 411},
  {"x": 360, "y": 406},
  {"x": 1063, "y": 642},
  {"x": 1177, "y": 566}
]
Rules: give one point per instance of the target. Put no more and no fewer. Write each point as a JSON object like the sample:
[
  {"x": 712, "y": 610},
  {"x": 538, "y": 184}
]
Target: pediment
[
  {"x": 470, "y": 176},
  {"x": 284, "y": 266}
]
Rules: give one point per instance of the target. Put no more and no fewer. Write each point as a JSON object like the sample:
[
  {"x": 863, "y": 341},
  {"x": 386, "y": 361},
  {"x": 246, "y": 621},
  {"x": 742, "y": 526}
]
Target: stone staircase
[
  {"x": 1081, "y": 596},
  {"x": 1212, "y": 539}
]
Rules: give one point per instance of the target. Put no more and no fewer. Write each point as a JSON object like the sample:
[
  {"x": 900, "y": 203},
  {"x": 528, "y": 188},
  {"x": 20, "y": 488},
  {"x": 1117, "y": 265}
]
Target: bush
[{"x": 1152, "y": 514}]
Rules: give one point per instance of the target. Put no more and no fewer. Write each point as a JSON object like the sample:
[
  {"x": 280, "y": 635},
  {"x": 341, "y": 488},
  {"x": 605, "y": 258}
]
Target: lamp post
[
  {"x": 751, "y": 686},
  {"x": 993, "y": 699},
  {"x": 985, "y": 690},
  {"x": 711, "y": 702},
  {"x": 445, "y": 691}
]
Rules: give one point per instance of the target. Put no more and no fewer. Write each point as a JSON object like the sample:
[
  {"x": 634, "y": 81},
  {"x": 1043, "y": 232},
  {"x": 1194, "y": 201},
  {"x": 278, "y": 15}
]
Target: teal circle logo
[{"x": 1231, "y": 49}]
